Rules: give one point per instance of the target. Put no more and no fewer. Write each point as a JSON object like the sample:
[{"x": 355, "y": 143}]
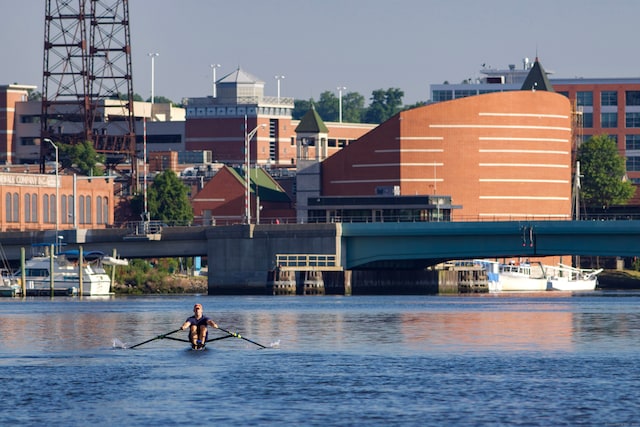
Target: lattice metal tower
[{"x": 87, "y": 90}]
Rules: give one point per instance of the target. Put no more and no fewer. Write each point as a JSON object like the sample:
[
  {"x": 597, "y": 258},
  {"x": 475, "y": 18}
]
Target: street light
[
  {"x": 213, "y": 68},
  {"x": 278, "y": 78},
  {"x": 153, "y": 61},
  {"x": 57, "y": 194},
  {"x": 340, "y": 89},
  {"x": 247, "y": 179}
]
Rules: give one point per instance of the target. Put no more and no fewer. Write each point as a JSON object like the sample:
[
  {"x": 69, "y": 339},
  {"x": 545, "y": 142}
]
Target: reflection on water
[
  {"x": 421, "y": 360},
  {"x": 393, "y": 324}
]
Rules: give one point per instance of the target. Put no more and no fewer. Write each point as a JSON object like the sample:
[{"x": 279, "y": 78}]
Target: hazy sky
[{"x": 361, "y": 44}]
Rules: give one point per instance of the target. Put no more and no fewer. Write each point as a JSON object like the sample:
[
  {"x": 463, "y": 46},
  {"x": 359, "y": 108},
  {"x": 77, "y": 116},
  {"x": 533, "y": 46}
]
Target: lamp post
[
  {"x": 213, "y": 69},
  {"x": 247, "y": 178},
  {"x": 57, "y": 194},
  {"x": 153, "y": 73},
  {"x": 340, "y": 89},
  {"x": 278, "y": 78}
]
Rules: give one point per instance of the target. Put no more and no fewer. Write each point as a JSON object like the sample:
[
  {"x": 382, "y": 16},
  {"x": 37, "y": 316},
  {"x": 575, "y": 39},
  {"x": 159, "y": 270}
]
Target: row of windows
[
  {"x": 30, "y": 211},
  {"x": 610, "y": 120},
  {"x": 608, "y": 97},
  {"x": 583, "y": 98}
]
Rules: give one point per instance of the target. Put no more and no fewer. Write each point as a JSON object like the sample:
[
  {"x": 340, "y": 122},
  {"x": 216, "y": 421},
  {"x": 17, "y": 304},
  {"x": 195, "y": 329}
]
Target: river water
[{"x": 539, "y": 360}]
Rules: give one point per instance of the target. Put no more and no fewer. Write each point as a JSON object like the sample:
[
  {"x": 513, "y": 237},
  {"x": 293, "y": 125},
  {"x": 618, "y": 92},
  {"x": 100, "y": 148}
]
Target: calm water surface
[{"x": 408, "y": 360}]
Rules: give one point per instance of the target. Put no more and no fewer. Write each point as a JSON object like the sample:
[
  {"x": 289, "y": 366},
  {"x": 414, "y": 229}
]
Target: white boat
[
  {"x": 567, "y": 278},
  {"x": 522, "y": 277},
  {"x": 66, "y": 277}
]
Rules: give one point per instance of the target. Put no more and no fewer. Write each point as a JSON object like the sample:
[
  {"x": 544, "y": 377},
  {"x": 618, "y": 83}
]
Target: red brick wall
[{"x": 500, "y": 155}]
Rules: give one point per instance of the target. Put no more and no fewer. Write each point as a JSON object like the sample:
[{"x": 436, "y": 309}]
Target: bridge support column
[
  {"x": 313, "y": 283},
  {"x": 395, "y": 282},
  {"x": 281, "y": 282}
]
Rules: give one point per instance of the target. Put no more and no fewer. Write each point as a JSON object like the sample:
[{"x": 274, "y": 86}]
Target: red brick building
[
  {"x": 500, "y": 156},
  {"x": 222, "y": 201}
]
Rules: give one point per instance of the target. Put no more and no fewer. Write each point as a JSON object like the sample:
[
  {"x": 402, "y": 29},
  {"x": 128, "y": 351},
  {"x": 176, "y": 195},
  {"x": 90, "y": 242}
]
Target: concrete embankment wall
[{"x": 240, "y": 256}]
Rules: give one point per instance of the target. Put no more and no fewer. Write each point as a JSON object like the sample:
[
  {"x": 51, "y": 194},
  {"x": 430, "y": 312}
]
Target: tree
[
  {"x": 167, "y": 200},
  {"x": 300, "y": 108},
  {"x": 327, "y": 106},
  {"x": 160, "y": 100},
  {"x": 603, "y": 172},
  {"x": 83, "y": 157},
  {"x": 352, "y": 107},
  {"x": 384, "y": 104}
]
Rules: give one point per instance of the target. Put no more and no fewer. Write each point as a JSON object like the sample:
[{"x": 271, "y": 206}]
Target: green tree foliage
[
  {"x": 160, "y": 100},
  {"x": 352, "y": 107},
  {"x": 167, "y": 200},
  {"x": 300, "y": 107},
  {"x": 83, "y": 157},
  {"x": 603, "y": 171},
  {"x": 384, "y": 105},
  {"x": 327, "y": 106}
]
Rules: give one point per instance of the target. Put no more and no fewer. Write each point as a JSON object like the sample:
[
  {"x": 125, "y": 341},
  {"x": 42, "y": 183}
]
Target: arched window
[
  {"x": 45, "y": 208},
  {"x": 72, "y": 212},
  {"x": 7, "y": 205},
  {"x": 27, "y": 207},
  {"x": 81, "y": 206},
  {"x": 88, "y": 219},
  {"x": 16, "y": 207},
  {"x": 34, "y": 207},
  {"x": 99, "y": 210},
  {"x": 52, "y": 208},
  {"x": 105, "y": 210},
  {"x": 63, "y": 205}
]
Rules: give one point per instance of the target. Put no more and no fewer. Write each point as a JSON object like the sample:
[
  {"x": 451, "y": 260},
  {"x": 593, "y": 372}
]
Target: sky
[{"x": 363, "y": 45}]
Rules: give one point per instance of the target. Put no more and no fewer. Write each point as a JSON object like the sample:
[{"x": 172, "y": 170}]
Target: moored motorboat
[
  {"x": 522, "y": 277},
  {"x": 66, "y": 275}
]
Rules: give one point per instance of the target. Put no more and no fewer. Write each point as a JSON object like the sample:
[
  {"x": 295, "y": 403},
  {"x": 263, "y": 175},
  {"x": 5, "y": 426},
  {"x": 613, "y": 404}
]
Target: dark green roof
[
  {"x": 311, "y": 123},
  {"x": 262, "y": 184},
  {"x": 537, "y": 79}
]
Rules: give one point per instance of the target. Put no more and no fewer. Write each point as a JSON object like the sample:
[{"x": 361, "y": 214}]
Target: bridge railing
[{"x": 307, "y": 262}]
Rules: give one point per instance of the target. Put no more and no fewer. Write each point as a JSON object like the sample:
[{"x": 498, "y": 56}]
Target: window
[
  {"x": 633, "y": 164},
  {"x": 609, "y": 120},
  {"x": 587, "y": 120},
  {"x": 63, "y": 205},
  {"x": 632, "y": 120},
  {"x": 632, "y": 142},
  {"x": 81, "y": 207},
  {"x": 16, "y": 207},
  {"x": 463, "y": 93},
  {"x": 53, "y": 209},
  {"x": 442, "y": 95},
  {"x": 87, "y": 212},
  {"x": 99, "y": 210},
  {"x": 105, "y": 210},
  {"x": 609, "y": 97},
  {"x": 27, "y": 207},
  {"x": 34, "y": 207},
  {"x": 632, "y": 97},
  {"x": 45, "y": 208},
  {"x": 585, "y": 99},
  {"x": 7, "y": 206}
]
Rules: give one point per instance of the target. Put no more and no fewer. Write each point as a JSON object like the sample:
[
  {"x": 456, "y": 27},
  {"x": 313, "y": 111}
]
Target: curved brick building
[{"x": 501, "y": 156}]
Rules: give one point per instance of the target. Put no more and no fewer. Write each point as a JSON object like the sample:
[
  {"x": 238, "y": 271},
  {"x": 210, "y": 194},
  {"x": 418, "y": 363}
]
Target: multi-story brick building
[{"x": 221, "y": 124}]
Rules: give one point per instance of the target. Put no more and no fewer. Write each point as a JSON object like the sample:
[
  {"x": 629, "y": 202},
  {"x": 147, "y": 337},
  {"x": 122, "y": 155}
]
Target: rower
[{"x": 197, "y": 325}]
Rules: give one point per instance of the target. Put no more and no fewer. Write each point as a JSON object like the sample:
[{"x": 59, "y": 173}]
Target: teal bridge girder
[{"x": 419, "y": 244}]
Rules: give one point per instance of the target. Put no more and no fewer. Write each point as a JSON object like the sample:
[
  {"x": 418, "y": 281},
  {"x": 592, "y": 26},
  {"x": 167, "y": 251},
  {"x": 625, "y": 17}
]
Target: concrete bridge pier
[
  {"x": 395, "y": 282},
  {"x": 281, "y": 282}
]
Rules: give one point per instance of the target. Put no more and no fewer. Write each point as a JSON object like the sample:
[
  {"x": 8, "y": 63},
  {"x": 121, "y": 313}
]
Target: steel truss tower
[{"x": 87, "y": 91}]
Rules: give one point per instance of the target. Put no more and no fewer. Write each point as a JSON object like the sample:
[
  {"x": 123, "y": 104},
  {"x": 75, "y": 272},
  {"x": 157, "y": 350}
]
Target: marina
[{"x": 68, "y": 273}]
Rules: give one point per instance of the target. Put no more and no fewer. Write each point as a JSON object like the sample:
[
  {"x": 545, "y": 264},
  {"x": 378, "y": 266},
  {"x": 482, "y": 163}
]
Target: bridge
[{"x": 241, "y": 255}]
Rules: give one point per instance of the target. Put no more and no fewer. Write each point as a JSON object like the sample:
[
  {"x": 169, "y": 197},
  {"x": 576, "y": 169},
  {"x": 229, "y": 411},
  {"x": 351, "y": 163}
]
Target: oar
[
  {"x": 233, "y": 334},
  {"x": 159, "y": 337}
]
